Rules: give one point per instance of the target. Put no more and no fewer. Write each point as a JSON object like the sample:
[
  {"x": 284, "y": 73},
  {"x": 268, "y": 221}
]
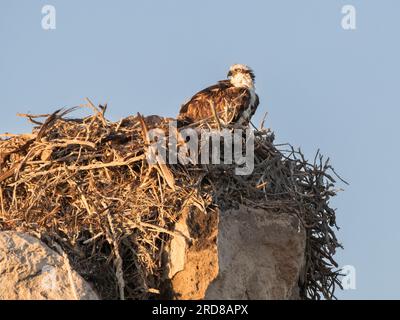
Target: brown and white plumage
[{"x": 234, "y": 100}]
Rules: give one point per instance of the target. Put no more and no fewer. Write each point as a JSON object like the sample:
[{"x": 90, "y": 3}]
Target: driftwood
[{"x": 85, "y": 185}]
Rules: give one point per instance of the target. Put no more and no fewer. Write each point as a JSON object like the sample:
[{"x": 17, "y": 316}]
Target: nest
[{"x": 84, "y": 185}]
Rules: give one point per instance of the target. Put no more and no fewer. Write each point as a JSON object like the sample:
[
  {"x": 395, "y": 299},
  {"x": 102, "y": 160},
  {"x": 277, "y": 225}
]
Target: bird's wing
[
  {"x": 255, "y": 106},
  {"x": 199, "y": 107}
]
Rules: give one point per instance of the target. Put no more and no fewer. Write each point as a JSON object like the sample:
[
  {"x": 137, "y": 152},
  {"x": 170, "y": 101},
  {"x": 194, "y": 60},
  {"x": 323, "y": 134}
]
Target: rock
[
  {"x": 192, "y": 257},
  {"x": 261, "y": 255},
  {"x": 177, "y": 255},
  {"x": 30, "y": 270},
  {"x": 237, "y": 254}
]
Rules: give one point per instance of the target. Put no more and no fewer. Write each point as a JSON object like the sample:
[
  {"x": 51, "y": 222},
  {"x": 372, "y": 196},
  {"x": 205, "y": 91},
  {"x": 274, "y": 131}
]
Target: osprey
[{"x": 232, "y": 101}]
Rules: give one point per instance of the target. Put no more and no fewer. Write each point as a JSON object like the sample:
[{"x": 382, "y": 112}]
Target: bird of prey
[{"x": 232, "y": 101}]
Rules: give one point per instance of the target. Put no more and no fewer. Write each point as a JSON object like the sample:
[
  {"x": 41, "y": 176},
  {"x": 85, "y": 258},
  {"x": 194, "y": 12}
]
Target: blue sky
[{"x": 323, "y": 87}]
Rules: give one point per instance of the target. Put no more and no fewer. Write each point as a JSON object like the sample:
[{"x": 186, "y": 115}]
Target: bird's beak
[{"x": 229, "y": 74}]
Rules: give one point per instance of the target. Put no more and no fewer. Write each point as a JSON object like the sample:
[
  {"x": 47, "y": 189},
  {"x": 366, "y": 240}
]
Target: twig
[{"x": 215, "y": 115}]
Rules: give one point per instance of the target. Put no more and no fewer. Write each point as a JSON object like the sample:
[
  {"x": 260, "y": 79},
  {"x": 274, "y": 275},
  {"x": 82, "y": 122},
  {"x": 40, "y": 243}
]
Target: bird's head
[{"x": 241, "y": 76}]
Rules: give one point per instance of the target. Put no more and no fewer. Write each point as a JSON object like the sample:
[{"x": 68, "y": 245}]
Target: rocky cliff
[
  {"x": 111, "y": 225},
  {"x": 30, "y": 270}
]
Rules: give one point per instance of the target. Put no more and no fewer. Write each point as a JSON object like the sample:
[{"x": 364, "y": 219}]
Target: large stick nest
[{"x": 84, "y": 185}]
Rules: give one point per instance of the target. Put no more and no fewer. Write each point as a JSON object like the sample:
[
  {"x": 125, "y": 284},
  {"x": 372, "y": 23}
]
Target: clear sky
[{"x": 324, "y": 87}]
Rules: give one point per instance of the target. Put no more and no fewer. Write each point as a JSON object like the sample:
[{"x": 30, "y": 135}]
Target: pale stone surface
[
  {"x": 238, "y": 254},
  {"x": 261, "y": 255},
  {"x": 177, "y": 249},
  {"x": 30, "y": 270}
]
